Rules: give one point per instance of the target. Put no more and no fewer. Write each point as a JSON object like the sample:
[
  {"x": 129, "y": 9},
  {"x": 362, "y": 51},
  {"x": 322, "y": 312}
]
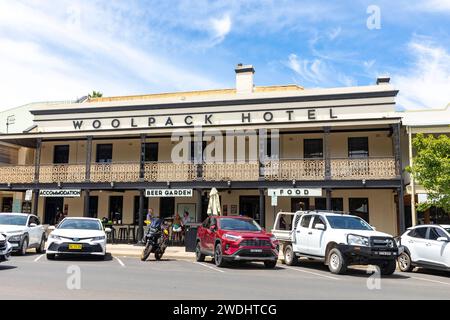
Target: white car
[
  {"x": 337, "y": 239},
  {"x": 425, "y": 246},
  {"x": 77, "y": 236},
  {"x": 23, "y": 231},
  {"x": 5, "y": 248}
]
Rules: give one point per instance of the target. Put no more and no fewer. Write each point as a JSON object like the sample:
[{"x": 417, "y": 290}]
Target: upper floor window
[
  {"x": 104, "y": 153},
  {"x": 61, "y": 154},
  {"x": 312, "y": 148},
  {"x": 151, "y": 151},
  {"x": 358, "y": 147}
]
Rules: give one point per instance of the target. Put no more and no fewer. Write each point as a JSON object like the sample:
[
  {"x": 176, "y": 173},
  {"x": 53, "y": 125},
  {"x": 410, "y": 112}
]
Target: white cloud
[
  {"x": 63, "y": 51},
  {"x": 435, "y": 5},
  {"x": 334, "y": 33},
  {"x": 426, "y": 83},
  {"x": 317, "y": 72},
  {"x": 220, "y": 27}
]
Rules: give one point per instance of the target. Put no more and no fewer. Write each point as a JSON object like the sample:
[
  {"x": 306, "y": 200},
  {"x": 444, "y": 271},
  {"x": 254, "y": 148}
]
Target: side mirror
[
  {"x": 51, "y": 228},
  {"x": 212, "y": 228},
  {"x": 32, "y": 225},
  {"x": 443, "y": 239},
  {"x": 108, "y": 230},
  {"x": 320, "y": 226}
]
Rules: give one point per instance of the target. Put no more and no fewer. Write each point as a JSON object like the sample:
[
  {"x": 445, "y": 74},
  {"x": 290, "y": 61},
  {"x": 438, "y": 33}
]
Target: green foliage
[
  {"x": 95, "y": 94},
  {"x": 431, "y": 169}
]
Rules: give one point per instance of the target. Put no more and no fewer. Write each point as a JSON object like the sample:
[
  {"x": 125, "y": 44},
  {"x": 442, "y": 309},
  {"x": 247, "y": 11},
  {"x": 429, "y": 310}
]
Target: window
[
  {"x": 312, "y": 148},
  {"x": 61, "y": 154},
  {"x": 418, "y": 233},
  {"x": 213, "y": 222},
  {"x": 358, "y": 147},
  {"x": 318, "y": 220},
  {"x": 347, "y": 222},
  {"x": 305, "y": 221},
  {"x": 151, "y": 151},
  {"x": 193, "y": 149},
  {"x": 104, "y": 153},
  {"x": 33, "y": 220},
  {"x": 206, "y": 223},
  {"x": 359, "y": 207},
  {"x": 436, "y": 233},
  {"x": 337, "y": 204}
]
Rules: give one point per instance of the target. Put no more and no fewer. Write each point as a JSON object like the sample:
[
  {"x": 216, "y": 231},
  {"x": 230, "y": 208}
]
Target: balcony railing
[{"x": 282, "y": 170}]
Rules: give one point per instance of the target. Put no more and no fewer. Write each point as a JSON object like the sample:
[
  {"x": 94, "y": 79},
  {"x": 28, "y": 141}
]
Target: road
[{"x": 34, "y": 277}]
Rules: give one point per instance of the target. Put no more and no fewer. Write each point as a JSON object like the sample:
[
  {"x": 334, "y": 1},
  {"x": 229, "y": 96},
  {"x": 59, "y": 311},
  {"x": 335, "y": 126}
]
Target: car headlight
[
  {"x": 232, "y": 237},
  {"x": 273, "y": 239},
  {"x": 15, "y": 238},
  {"x": 98, "y": 238},
  {"x": 356, "y": 240},
  {"x": 55, "y": 237}
]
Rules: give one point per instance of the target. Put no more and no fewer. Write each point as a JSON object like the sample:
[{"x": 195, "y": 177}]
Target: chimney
[
  {"x": 244, "y": 78},
  {"x": 383, "y": 80}
]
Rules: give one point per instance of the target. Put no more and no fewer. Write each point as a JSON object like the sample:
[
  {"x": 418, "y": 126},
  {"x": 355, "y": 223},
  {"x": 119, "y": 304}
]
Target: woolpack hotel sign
[{"x": 204, "y": 119}]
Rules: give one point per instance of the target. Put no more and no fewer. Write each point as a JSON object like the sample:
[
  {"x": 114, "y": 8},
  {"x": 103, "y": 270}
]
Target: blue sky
[{"x": 61, "y": 50}]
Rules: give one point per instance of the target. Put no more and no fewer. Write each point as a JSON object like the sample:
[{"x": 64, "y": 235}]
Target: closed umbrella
[{"x": 214, "y": 203}]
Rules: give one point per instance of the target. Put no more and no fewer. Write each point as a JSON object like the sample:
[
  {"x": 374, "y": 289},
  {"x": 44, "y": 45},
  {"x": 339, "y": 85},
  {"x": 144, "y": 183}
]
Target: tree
[
  {"x": 95, "y": 94},
  {"x": 431, "y": 169}
]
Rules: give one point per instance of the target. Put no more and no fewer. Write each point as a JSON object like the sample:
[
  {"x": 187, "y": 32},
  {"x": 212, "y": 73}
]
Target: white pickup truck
[{"x": 337, "y": 239}]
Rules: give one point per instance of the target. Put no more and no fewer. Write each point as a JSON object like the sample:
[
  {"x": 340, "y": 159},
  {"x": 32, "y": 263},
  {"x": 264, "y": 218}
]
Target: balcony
[{"x": 282, "y": 170}]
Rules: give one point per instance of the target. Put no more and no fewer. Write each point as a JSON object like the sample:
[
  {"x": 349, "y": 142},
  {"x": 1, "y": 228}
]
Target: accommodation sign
[
  {"x": 295, "y": 192},
  {"x": 161, "y": 193},
  {"x": 60, "y": 193}
]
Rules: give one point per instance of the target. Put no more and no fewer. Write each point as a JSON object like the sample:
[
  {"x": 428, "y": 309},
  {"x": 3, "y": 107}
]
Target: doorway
[
  {"x": 249, "y": 206},
  {"x": 136, "y": 209},
  {"x": 93, "y": 206},
  {"x": 166, "y": 207},
  {"x": 299, "y": 204},
  {"x": 115, "y": 207},
  {"x": 7, "y": 204},
  {"x": 52, "y": 206}
]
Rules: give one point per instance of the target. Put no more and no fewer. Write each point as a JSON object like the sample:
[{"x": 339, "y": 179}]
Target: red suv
[{"x": 235, "y": 239}]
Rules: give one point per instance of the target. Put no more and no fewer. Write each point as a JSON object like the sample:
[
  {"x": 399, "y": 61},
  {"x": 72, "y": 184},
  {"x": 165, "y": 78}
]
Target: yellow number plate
[{"x": 73, "y": 246}]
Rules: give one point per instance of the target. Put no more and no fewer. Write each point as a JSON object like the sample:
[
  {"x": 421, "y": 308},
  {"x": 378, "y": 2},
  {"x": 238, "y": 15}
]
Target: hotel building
[{"x": 339, "y": 148}]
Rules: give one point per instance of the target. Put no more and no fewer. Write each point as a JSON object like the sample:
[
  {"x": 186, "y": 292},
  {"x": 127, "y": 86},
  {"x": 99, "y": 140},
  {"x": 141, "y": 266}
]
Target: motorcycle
[{"x": 155, "y": 240}]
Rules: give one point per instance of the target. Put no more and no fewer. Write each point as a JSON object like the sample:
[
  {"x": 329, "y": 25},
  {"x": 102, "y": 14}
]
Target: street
[{"x": 120, "y": 277}]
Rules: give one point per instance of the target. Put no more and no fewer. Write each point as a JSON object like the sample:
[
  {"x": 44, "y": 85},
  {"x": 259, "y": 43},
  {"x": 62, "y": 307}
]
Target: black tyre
[
  {"x": 270, "y": 264},
  {"x": 218, "y": 257},
  {"x": 404, "y": 262},
  {"x": 158, "y": 255},
  {"x": 199, "y": 256},
  {"x": 41, "y": 247},
  {"x": 289, "y": 256},
  {"x": 146, "y": 252},
  {"x": 337, "y": 262},
  {"x": 50, "y": 256},
  {"x": 23, "y": 247},
  {"x": 388, "y": 267}
]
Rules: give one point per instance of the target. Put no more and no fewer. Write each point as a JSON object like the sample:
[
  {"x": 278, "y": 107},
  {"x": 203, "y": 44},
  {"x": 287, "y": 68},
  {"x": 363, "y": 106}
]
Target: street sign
[
  {"x": 28, "y": 195},
  {"x": 274, "y": 200},
  {"x": 60, "y": 193}
]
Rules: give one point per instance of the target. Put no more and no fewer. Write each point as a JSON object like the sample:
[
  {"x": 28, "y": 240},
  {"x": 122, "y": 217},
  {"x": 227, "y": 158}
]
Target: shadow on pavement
[
  {"x": 80, "y": 257},
  {"x": 3, "y": 267},
  {"x": 431, "y": 272}
]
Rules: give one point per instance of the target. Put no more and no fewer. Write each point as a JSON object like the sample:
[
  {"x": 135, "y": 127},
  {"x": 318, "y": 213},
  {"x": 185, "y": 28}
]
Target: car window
[
  {"x": 206, "y": 223},
  {"x": 305, "y": 221},
  {"x": 213, "y": 222},
  {"x": 13, "y": 220},
  {"x": 80, "y": 224},
  {"x": 33, "y": 220},
  {"x": 418, "y": 233},
  {"x": 318, "y": 220},
  {"x": 436, "y": 233},
  {"x": 239, "y": 224},
  {"x": 348, "y": 222}
]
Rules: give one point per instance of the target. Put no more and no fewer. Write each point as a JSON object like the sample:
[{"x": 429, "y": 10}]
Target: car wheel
[
  {"x": 24, "y": 247},
  {"x": 404, "y": 262},
  {"x": 50, "y": 256},
  {"x": 199, "y": 256},
  {"x": 388, "y": 267},
  {"x": 289, "y": 256},
  {"x": 336, "y": 261},
  {"x": 218, "y": 257},
  {"x": 41, "y": 247},
  {"x": 270, "y": 264}
]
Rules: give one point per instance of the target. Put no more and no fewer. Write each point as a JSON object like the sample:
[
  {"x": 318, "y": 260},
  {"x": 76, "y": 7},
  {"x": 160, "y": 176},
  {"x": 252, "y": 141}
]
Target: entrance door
[
  {"x": 7, "y": 204},
  {"x": 166, "y": 207},
  {"x": 93, "y": 206},
  {"x": 299, "y": 204},
  {"x": 115, "y": 207},
  {"x": 52, "y": 206},
  {"x": 249, "y": 206},
  {"x": 136, "y": 209}
]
